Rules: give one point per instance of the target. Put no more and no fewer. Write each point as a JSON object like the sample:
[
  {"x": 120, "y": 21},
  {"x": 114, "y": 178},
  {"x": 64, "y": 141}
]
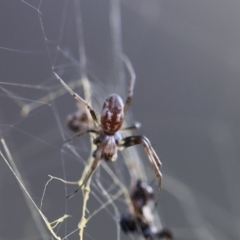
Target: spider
[
  {"x": 136, "y": 221},
  {"x": 141, "y": 195},
  {"x": 108, "y": 139},
  {"x": 138, "y": 224},
  {"x": 77, "y": 121}
]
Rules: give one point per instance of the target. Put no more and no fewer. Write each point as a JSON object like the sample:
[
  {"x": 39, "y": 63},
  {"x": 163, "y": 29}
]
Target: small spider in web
[
  {"x": 135, "y": 224},
  {"x": 141, "y": 195},
  {"x": 77, "y": 121},
  {"x": 109, "y": 140},
  {"x": 138, "y": 221}
]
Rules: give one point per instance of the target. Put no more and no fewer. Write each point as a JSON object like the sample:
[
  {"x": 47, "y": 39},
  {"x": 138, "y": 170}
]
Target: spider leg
[
  {"x": 132, "y": 81},
  {"x": 78, "y": 98},
  {"x": 133, "y": 127},
  {"x": 135, "y": 140},
  {"x": 165, "y": 234},
  {"x": 81, "y": 133},
  {"x": 153, "y": 158},
  {"x": 92, "y": 169}
]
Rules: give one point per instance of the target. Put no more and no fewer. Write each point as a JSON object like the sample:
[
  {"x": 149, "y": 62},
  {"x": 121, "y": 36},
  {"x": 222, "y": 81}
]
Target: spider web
[
  {"x": 81, "y": 41},
  {"x": 106, "y": 188}
]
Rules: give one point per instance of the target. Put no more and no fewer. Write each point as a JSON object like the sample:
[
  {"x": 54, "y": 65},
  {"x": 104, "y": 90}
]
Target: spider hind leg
[{"x": 152, "y": 156}]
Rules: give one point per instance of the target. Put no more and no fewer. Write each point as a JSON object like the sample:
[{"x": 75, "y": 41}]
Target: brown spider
[
  {"x": 109, "y": 140},
  {"x": 77, "y": 121}
]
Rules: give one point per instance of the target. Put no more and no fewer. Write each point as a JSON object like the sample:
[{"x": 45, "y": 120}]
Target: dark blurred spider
[
  {"x": 131, "y": 223},
  {"x": 136, "y": 222},
  {"x": 77, "y": 121},
  {"x": 141, "y": 195},
  {"x": 109, "y": 140}
]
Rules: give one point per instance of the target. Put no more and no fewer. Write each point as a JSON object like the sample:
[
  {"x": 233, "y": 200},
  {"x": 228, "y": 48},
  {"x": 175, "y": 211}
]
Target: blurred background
[{"x": 186, "y": 56}]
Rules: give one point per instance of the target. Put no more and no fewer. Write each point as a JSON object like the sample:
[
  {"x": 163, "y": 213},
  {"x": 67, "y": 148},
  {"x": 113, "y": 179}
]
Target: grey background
[{"x": 186, "y": 56}]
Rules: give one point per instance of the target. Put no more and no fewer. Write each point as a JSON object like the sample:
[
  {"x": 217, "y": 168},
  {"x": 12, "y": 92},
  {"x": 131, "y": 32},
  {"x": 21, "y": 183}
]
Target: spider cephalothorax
[{"x": 109, "y": 144}]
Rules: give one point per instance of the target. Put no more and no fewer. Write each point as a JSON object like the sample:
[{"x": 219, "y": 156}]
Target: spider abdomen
[{"x": 112, "y": 115}]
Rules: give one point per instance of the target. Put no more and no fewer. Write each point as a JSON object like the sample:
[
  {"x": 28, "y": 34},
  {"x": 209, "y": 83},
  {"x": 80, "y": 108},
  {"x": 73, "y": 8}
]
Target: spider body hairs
[{"x": 108, "y": 138}]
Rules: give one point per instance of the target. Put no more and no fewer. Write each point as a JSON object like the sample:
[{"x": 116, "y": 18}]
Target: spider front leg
[
  {"x": 81, "y": 133},
  {"x": 132, "y": 81},
  {"x": 98, "y": 157},
  {"x": 153, "y": 158},
  {"x": 78, "y": 98}
]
